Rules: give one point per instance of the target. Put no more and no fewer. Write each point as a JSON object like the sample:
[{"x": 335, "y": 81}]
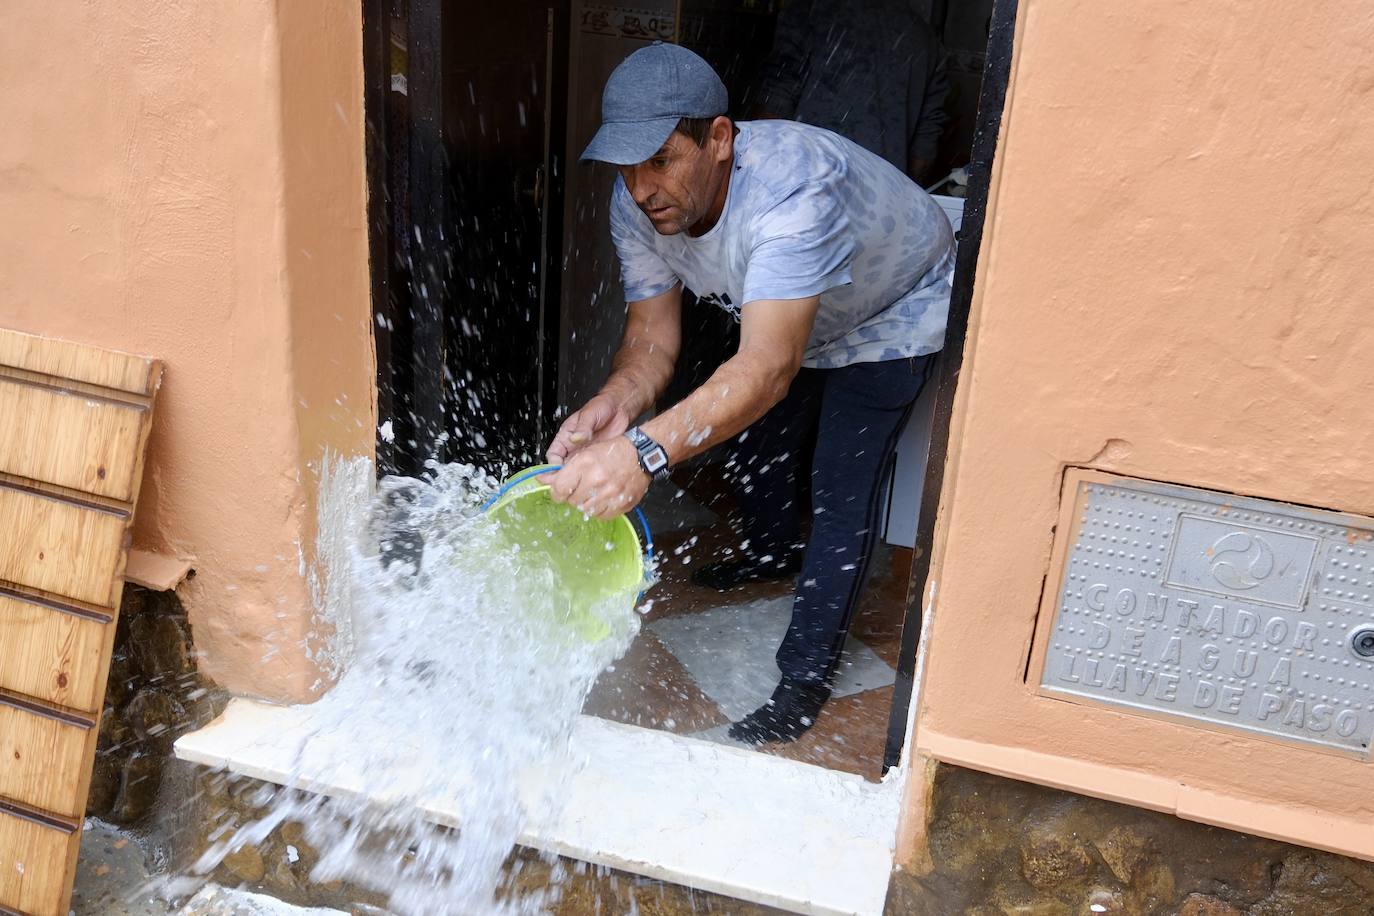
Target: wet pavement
[{"x": 114, "y": 875}]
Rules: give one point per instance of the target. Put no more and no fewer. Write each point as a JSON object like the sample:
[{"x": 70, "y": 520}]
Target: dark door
[
  {"x": 499, "y": 89},
  {"x": 464, "y": 102}
]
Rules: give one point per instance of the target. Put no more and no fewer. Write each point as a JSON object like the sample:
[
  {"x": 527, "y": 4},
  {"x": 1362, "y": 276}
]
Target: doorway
[{"x": 499, "y": 309}]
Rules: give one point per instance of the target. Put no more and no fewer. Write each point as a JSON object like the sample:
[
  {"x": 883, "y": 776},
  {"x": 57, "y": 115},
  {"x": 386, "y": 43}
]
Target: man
[
  {"x": 838, "y": 270},
  {"x": 870, "y": 70}
]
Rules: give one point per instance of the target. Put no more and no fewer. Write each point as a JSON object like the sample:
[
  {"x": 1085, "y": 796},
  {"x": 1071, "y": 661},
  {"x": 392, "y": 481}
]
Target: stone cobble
[
  {"x": 153, "y": 694},
  {"x": 998, "y": 847},
  {"x": 281, "y": 864}
]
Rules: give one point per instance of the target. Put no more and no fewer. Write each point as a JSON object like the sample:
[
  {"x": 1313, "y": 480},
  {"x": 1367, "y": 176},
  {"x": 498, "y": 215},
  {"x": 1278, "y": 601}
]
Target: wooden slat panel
[
  {"x": 61, "y": 547},
  {"x": 42, "y": 761},
  {"x": 66, "y": 412},
  {"x": 82, "y": 442},
  {"x": 35, "y": 860},
  {"x": 122, "y": 371},
  {"x": 47, "y": 654}
]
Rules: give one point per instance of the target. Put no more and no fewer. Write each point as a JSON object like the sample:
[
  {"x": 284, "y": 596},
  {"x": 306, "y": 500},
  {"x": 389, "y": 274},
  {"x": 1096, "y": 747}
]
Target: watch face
[{"x": 655, "y": 460}]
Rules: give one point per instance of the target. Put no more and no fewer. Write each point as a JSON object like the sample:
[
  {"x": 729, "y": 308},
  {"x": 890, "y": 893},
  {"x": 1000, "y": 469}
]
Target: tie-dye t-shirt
[{"x": 809, "y": 213}]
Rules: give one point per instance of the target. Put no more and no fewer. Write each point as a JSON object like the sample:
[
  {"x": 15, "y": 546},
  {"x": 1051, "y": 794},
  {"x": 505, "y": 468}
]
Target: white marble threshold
[{"x": 722, "y": 819}]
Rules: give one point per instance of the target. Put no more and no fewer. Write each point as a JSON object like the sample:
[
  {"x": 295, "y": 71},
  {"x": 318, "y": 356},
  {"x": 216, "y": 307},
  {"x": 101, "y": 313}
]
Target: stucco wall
[
  {"x": 185, "y": 180},
  {"x": 1174, "y": 285}
]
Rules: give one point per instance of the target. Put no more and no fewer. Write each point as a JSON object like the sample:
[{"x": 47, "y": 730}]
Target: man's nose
[{"x": 640, "y": 187}]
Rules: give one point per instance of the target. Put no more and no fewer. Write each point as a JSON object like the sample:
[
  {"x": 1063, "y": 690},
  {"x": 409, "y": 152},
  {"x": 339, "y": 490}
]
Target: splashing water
[{"x": 464, "y": 684}]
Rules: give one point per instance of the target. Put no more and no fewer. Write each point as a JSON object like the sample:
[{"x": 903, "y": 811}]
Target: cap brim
[{"x": 629, "y": 142}]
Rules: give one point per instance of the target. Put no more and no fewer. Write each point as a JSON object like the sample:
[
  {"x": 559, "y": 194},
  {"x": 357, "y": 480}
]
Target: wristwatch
[{"x": 653, "y": 458}]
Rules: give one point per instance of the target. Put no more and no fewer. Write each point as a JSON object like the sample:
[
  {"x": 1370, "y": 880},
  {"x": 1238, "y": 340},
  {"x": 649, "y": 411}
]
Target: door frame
[{"x": 991, "y": 101}]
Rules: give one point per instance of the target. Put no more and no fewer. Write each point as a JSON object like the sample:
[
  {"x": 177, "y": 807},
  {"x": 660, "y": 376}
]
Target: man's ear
[{"x": 723, "y": 138}]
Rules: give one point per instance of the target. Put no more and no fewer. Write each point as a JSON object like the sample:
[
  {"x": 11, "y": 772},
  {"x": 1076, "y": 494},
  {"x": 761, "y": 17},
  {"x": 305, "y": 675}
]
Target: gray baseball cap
[{"x": 647, "y": 95}]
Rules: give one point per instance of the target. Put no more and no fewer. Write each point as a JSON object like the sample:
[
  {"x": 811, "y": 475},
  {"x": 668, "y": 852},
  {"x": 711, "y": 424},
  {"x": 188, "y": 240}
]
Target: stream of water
[{"x": 459, "y": 680}]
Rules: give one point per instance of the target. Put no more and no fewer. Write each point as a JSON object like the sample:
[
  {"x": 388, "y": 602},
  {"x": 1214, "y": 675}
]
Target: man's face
[{"x": 675, "y": 187}]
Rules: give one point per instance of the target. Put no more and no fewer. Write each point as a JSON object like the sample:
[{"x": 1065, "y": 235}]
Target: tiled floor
[
  {"x": 704, "y": 657},
  {"x": 649, "y": 687},
  {"x": 729, "y": 652}
]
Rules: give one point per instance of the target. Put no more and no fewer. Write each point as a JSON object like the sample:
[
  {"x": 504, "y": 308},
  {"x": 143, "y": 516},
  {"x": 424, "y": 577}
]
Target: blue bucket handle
[{"x": 536, "y": 472}]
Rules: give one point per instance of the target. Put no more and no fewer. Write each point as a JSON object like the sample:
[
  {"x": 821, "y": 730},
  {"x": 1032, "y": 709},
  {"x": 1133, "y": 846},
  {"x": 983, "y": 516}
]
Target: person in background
[
  {"x": 837, "y": 268},
  {"x": 870, "y": 70}
]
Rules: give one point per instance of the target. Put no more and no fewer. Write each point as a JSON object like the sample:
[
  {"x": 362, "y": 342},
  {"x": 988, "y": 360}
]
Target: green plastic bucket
[{"x": 591, "y": 559}]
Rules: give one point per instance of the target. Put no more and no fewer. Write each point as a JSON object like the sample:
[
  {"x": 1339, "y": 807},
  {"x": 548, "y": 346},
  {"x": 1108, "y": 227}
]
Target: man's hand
[
  {"x": 603, "y": 479},
  {"x": 599, "y": 420}
]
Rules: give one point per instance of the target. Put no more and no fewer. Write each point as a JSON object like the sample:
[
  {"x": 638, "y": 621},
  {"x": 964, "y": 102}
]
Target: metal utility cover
[{"x": 1212, "y": 608}]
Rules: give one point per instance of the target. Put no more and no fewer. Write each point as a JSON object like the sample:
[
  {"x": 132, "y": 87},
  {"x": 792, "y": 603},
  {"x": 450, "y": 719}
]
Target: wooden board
[
  {"x": 42, "y": 758},
  {"x": 74, "y": 424},
  {"x": 31, "y": 852},
  {"x": 92, "y": 442},
  {"x": 61, "y": 546},
  {"x": 46, "y": 645},
  {"x": 81, "y": 363}
]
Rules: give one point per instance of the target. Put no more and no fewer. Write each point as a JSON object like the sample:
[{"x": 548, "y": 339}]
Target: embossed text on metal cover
[{"x": 1238, "y": 612}]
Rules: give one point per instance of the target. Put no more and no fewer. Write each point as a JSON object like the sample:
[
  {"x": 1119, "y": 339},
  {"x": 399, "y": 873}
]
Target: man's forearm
[
  {"x": 639, "y": 374},
  {"x": 605, "y": 477},
  {"x": 735, "y": 396},
  {"x": 643, "y": 365},
  {"x": 773, "y": 336}
]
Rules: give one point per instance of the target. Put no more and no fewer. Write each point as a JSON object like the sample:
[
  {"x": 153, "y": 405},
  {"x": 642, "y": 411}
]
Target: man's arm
[
  {"x": 773, "y": 336},
  {"x": 605, "y": 479},
  {"x": 640, "y": 371}
]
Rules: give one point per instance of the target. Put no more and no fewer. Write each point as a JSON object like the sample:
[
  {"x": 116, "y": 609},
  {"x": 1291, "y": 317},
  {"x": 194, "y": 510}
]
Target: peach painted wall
[
  {"x": 185, "y": 180},
  {"x": 1175, "y": 284}
]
